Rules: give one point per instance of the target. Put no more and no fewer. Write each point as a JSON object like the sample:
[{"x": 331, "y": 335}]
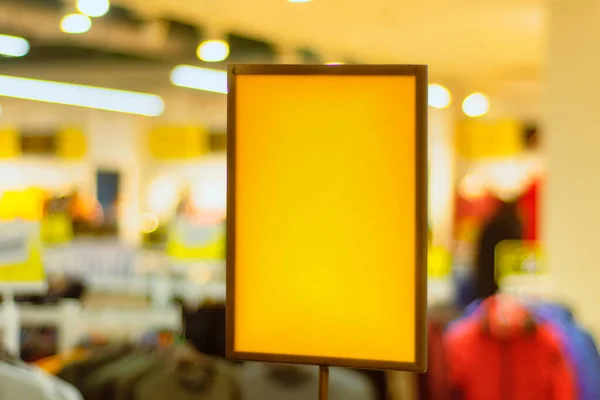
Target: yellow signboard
[
  {"x": 439, "y": 262},
  {"x": 477, "y": 139},
  {"x": 9, "y": 143},
  {"x": 518, "y": 258},
  {"x": 20, "y": 255},
  {"x": 327, "y": 212},
  {"x": 174, "y": 142},
  {"x": 71, "y": 144},
  {"x": 56, "y": 229},
  {"x": 26, "y": 204},
  {"x": 193, "y": 241}
]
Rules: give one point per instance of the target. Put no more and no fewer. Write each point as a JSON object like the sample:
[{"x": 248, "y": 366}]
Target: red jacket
[
  {"x": 530, "y": 208},
  {"x": 494, "y": 356}
]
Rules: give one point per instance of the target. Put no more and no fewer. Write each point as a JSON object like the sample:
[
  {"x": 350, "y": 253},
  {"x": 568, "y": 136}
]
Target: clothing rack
[
  {"x": 74, "y": 321},
  {"x": 160, "y": 289}
]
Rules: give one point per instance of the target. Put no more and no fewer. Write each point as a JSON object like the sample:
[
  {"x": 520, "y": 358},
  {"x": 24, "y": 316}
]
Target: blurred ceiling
[
  {"x": 460, "y": 39},
  {"x": 493, "y": 46}
]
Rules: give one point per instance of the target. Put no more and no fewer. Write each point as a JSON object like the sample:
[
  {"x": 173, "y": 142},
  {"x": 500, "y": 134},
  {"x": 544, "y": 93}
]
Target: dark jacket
[{"x": 505, "y": 224}]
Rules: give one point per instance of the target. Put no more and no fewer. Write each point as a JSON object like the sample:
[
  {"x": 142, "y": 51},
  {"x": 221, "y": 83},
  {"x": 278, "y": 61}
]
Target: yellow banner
[
  {"x": 172, "y": 142},
  {"x": 9, "y": 143},
  {"x": 20, "y": 253},
  {"x": 518, "y": 258},
  {"x": 189, "y": 241},
  {"x": 72, "y": 143},
  {"x": 477, "y": 139}
]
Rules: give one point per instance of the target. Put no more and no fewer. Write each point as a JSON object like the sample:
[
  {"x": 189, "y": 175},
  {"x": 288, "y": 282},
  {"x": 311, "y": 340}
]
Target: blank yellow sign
[{"x": 327, "y": 215}]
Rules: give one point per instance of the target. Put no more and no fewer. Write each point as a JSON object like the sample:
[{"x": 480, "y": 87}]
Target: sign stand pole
[{"x": 323, "y": 382}]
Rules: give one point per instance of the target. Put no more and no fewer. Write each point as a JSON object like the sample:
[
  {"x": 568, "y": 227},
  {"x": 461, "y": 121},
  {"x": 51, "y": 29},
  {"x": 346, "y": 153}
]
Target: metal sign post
[{"x": 323, "y": 382}]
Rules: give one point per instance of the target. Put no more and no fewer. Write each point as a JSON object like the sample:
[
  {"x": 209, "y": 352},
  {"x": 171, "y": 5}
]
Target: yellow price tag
[
  {"x": 72, "y": 144},
  {"x": 482, "y": 139},
  {"x": 439, "y": 262},
  {"x": 21, "y": 204},
  {"x": 189, "y": 241},
  {"x": 10, "y": 145},
  {"x": 518, "y": 258},
  {"x": 20, "y": 253},
  {"x": 177, "y": 142},
  {"x": 57, "y": 229}
]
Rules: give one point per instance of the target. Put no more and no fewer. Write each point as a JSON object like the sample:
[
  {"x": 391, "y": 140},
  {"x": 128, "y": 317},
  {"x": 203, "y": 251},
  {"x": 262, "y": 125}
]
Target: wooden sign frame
[{"x": 421, "y": 86}]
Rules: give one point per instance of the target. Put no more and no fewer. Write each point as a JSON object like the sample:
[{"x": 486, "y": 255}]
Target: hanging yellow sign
[
  {"x": 477, "y": 139},
  {"x": 194, "y": 241},
  {"x": 519, "y": 258},
  {"x": 174, "y": 142},
  {"x": 71, "y": 144},
  {"x": 20, "y": 254},
  {"x": 27, "y": 204},
  {"x": 9, "y": 143}
]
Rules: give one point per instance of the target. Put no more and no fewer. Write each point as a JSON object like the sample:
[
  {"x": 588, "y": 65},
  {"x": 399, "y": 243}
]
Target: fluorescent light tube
[
  {"x": 81, "y": 96},
  {"x": 13, "y": 46},
  {"x": 211, "y": 80}
]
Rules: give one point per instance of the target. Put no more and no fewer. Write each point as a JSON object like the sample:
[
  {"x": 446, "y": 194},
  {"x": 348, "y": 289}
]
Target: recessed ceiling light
[
  {"x": 13, "y": 46},
  {"x": 75, "y": 23},
  {"x": 299, "y": 1},
  {"x": 213, "y": 50},
  {"x": 93, "y": 8},
  {"x": 438, "y": 96},
  {"x": 476, "y": 105}
]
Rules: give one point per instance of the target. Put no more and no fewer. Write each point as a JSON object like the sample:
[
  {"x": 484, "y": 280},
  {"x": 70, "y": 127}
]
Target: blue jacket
[{"x": 578, "y": 345}]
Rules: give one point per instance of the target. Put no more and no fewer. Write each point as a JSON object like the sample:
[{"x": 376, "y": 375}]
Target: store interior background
[{"x": 513, "y": 53}]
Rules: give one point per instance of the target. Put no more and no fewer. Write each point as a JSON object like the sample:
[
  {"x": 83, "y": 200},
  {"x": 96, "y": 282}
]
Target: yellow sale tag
[
  {"x": 171, "y": 142},
  {"x": 190, "y": 241},
  {"x": 57, "y": 229},
  {"x": 22, "y": 204},
  {"x": 439, "y": 262},
  {"x": 476, "y": 139},
  {"x": 71, "y": 143},
  {"x": 20, "y": 253},
  {"x": 9, "y": 143},
  {"x": 518, "y": 258}
]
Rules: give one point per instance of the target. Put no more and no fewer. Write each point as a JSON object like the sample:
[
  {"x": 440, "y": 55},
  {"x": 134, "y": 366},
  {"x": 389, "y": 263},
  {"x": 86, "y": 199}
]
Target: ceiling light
[
  {"x": 81, "y": 96},
  {"x": 476, "y": 105},
  {"x": 299, "y": 1},
  {"x": 211, "y": 80},
  {"x": 335, "y": 63},
  {"x": 213, "y": 50},
  {"x": 438, "y": 96},
  {"x": 75, "y": 23},
  {"x": 13, "y": 46},
  {"x": 93, "y": 8}
]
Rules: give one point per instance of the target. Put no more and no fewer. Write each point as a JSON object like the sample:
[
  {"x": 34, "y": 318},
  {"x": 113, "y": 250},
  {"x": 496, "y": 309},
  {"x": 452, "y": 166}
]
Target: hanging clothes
[
  {"x": 578, "y": 345},
  {"x": 19, "y": 381},
  {"x": 501, "y": 353},
  {"x": 176, "y": 372},
  {"x": 433, "y": 384}
]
